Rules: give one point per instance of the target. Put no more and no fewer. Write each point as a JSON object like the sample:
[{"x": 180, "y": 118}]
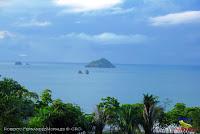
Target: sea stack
[
  {"x": 18, "y": 63},
  {"x": 87, "y": 72},
  {"x": 80, "y": 72},
  {"x": 101, "y": 63}
]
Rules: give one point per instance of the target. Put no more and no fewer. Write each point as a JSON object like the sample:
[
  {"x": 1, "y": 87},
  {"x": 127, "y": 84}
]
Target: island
[
  {"x": 101, "y": 63},
  {"x": 80, "y": 72},
  {"x": 27, "y": 64},
  {"x": 18, "y": 63},
  {"x": 87, "y": 72}
]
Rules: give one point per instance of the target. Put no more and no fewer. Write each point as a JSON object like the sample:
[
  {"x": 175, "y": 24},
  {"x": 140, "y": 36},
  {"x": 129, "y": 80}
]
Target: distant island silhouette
[
  {"x": 101, "y": 63},
  {"x": 18, "y": 63}
]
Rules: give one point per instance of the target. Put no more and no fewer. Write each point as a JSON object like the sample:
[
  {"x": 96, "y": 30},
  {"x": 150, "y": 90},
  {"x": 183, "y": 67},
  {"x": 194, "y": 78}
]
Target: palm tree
[
  {"x": 130, "y": 116},
  {"x": 126, "y": 122},
  {"x": 149, "y": 114},
  {"x": 99, "y": 120}
]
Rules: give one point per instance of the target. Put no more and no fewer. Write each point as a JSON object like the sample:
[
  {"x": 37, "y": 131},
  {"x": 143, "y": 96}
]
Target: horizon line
[{"x": 69, "y": 62}]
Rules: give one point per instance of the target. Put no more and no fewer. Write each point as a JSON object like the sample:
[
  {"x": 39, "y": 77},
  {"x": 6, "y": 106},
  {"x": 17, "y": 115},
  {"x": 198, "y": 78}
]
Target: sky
[{"x": 123, "y": 31}]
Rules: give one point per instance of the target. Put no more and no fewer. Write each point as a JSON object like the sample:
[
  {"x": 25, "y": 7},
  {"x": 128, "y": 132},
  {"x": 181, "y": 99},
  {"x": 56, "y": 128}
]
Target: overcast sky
[{"x": 124, "y": 31}]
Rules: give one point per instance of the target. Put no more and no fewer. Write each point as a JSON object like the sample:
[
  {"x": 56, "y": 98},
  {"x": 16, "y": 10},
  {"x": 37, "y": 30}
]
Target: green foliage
[
  {"x": 65, "y": 115},
  {"x": 181, "y": 111},
  {"x": 100, "y": 119},
  {"x": 58, "y": 115},
  {"x": 110, "y": 106},
  {"x": 87, "y": 122},
  {"x": 151, "y": 112},
  {"x": 38, "y": 120},
  {"x": 191, "y": 114},
  {"x": 195, "y": 115},
  {"x": 177, "y": 112},
  {"x": 16, "y": 104},
  {"x": 46, "y": 97},
  {"x": 130, "y": 116},
  {"x": 20, "y": 107}
]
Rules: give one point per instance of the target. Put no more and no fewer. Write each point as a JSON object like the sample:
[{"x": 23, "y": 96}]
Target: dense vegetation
[{"x": 20, "y": 108}]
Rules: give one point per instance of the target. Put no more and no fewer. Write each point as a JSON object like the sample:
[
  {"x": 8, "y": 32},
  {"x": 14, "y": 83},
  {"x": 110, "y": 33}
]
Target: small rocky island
[
  {"x": 86, "y": 72},
  {"x": 101, "y": 63},
  {"x": 18, "y": 63}
]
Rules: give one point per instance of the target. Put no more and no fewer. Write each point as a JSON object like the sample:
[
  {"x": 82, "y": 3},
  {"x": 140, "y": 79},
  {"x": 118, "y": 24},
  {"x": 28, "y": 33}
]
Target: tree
[
  {"x": 190, "y": 115},
  {"x": 195, "y": 115},
  {"x": 110, "y": 107},
  {"x": 130, "y": 116},
  {"x": 16, "y": 104},
  {"x": 99, "y": 120},
  {"x": 59, "y": 115},
  {"x": 150, "y": 113},
  {"x": 179, "y": 111},
  {"x": 46, "y": 97},
  {"x": 64, "y": 115},
  {"x": 38, "y": 119},
  {"x": 87, "y": 123}
]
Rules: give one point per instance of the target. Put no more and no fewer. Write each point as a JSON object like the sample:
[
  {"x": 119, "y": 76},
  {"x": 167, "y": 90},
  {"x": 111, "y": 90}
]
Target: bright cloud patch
[
  {"x": 23, "y": 55},
  {"x": 5, "y": 34},
  {"x": 87, "y": 5},
  {"x": 176, "y": 18},
  {"x": 2, "y": 3},
  {"x": 34, "y": 23},
  {"x": 119, "y": 10},
  {"x": 108, "y": 38}
]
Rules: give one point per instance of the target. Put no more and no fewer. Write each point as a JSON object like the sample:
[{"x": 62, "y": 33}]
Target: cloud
[
  {"x": 5, "y": 34},
  {"x": 23, "y": 55},
  {"x": 77, "y": 22},
  {"x": 108, "y": 38},
  {"x": 119, "y": 10},
  {"x": 25, "y": 4},
  {"x": 111, "y": 11},
  {"x": 1, "y": 3},
  {"x": 33, "y": 23},
  {"x": 77, "y": 6},
  {"x": 176, "y": 18}
]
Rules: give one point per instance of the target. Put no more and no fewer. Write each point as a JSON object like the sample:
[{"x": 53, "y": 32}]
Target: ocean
[{"x": 128, "y": 83}]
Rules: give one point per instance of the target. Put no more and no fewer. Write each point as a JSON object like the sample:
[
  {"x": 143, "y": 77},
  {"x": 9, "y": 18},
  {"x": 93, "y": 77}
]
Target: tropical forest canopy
[{"x": 21, "y": 108}]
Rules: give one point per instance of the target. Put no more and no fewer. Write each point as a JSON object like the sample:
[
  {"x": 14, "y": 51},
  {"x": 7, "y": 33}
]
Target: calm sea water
[{"x": 126, "y": 82}]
